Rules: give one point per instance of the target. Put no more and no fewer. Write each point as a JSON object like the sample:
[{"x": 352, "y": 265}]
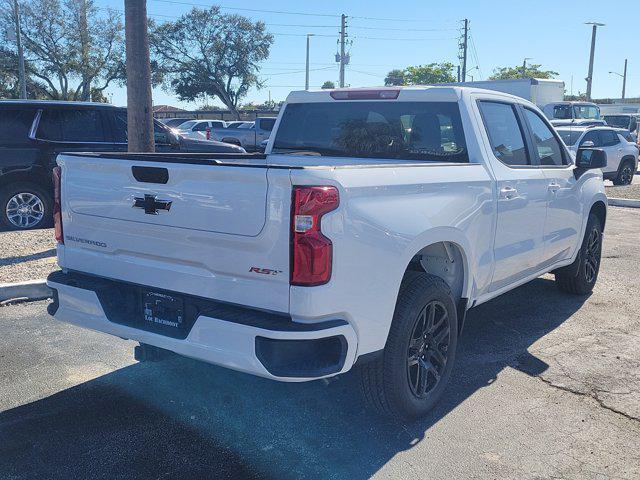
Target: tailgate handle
[{"x": 150, "y": 174}]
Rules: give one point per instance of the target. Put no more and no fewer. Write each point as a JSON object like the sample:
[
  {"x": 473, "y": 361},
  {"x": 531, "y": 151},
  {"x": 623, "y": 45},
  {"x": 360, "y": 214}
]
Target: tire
[
  {"x": 391, "y": 384},
  {"x": 625, "y": 173},
  {"x": 587, "y": 263},
  {"x": 36, "y": 201}
]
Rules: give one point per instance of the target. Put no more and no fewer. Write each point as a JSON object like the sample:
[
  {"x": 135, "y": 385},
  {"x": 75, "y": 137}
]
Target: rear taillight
[
  {"x": 311, "y": 251},
  {"x": 57, "y": 204}
]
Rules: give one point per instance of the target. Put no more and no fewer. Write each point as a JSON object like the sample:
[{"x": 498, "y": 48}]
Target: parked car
[
  {"x": 33, "y": 133},
  {"x": 174, "y": 122},
  {"x": 198, "y": 128},
  {"x": 573, "y": 113},
  {"x": 247, "y": 136},
  {"x": 374, "y": 221},
  {"x": 627, "y": 121},
  {"x": 622, "y": 155}
]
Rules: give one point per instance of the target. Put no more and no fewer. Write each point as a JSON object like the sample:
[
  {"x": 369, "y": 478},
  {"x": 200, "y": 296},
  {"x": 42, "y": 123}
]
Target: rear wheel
[
  {"x": 625, "y": 174},
  {"x": 24, "y": 206},
  {"x": 587, "y": 264},
  {"x": 411, "y": 375}
]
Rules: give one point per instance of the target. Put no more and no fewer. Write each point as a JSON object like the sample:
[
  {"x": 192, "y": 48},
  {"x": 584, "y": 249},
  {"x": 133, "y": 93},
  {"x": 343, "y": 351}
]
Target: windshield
[
  {"x": 376, "y": 129},
  {"x": 586, "y": 111},
  {"x": 570, "y": 137},
  {"x": 187, "y": 125},
  {"x": 621, "y": 121}
]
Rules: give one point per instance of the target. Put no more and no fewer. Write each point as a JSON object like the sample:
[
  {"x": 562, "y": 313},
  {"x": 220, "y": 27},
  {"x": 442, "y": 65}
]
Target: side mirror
[
  {"x": 588, "y": 144},
  {"x": 589, "y": 158}
]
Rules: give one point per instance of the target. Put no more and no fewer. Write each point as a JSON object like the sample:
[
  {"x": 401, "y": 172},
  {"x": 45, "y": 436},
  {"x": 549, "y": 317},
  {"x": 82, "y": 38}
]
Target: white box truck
[{"x": 549, "y": 96}]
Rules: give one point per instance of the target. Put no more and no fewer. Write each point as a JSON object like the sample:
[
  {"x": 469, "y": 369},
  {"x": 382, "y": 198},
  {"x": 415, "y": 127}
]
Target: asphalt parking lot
[{"x": 546, "y": 386}]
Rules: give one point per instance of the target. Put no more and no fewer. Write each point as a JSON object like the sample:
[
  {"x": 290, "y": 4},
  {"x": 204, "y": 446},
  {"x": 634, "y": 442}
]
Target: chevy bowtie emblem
[{"x": 151, "y": 205}]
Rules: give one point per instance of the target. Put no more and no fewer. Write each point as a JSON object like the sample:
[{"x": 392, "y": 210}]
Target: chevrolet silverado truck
[{"x": 374, "y": 221}]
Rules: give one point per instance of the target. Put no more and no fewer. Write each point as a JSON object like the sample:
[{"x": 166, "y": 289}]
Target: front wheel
[
  {"x": 25, "y": 206},
  {"x": 586, "y": 264},
  {"x": 409, "y": 378}
]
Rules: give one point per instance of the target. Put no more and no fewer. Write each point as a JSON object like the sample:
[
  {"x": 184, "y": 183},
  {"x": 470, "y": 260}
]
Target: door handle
[
  {"x": 508, "y": 193},
  {"x": 554, "y": 187}
]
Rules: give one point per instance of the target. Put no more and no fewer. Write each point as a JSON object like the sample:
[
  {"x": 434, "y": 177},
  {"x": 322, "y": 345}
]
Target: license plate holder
[{"x": 162, "y": 311}]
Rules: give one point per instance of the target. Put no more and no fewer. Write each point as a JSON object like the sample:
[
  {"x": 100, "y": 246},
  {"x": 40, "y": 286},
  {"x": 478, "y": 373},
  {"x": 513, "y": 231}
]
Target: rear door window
[
  {"x": 201, "y": 127},
  {"x": 609, "y": 138},
  {"x": 15, "y": 125},
  {"x": 430, "y": 131},
  {"x": 86, "y": 126},
  {"x": 505, "y": 133},
  {"x": 267, "y": 124},
  {"x": 545, "y": 142}
]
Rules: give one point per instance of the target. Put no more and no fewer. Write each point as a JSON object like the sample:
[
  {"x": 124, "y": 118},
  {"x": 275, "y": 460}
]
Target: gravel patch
[
  {"x": 29, "y": 255},
  {"x": 628, "y": 191}
]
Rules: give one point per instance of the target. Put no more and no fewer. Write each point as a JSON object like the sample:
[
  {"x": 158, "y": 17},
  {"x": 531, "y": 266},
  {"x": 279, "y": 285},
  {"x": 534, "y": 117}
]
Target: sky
[{"x": 387, "y": 35}]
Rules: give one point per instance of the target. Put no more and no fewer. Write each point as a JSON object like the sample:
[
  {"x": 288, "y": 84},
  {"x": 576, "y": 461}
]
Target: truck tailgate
[{"x": 219, "y": 231}]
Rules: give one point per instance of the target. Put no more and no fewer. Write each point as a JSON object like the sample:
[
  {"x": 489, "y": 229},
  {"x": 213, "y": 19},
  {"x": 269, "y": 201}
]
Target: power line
[
  {"x": 358, "y": 37},
  {"x": 222, "y": 7},
  {"x": 475, "y": 56}
]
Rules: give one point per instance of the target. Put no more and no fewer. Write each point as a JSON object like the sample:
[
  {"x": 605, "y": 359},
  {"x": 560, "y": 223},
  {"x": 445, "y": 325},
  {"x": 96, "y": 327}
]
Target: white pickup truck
[{"x": 374, "y": 221}]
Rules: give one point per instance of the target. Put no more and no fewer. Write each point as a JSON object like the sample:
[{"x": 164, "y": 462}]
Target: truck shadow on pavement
[{"x": 184, "y": 419}]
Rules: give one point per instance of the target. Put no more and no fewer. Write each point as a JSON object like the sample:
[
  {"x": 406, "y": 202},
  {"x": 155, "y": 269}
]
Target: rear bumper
[{"x": 266, "y": 344}]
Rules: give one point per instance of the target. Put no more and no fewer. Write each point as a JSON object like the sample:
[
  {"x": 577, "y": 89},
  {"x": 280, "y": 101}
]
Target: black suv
[{"x": 33, "y": 133}]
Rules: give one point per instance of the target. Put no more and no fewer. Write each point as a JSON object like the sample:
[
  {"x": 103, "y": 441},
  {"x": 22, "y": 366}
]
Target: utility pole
[
  {"x": 306, "y": 81},
  {"x": 462, "y": 52},
  {"x": 465, "y": 42},
  {"x": 589, "y": 78},
  {"x": 21, "y": 73},
  {"x": 343, "y": 35},
  {"x": 139, "y": 100},
  {"x": 524, "y": 66}
]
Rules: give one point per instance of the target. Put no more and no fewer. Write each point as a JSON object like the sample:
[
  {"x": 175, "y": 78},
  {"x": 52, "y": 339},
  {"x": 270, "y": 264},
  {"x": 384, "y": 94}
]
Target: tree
[
  {"x": 9, "y": 84},
  {"x": 328, "y": 85},
  {"x": 206, "y": 52},
  {"x": 395, "y": 78},
  {"x": 72, "y": 50},
  {"x": 422, "y": 74},
  {"x": 532, "y": 71}
]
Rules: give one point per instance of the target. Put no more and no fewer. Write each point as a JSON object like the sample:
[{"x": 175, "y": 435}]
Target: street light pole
[
  {"x": 624, "y": 79},
  {"x": 623, "y": 76},
  {"x": 306, "y": 82},
  {"x": 22, "y": 78},
  {"x": 589, "y": 78}
]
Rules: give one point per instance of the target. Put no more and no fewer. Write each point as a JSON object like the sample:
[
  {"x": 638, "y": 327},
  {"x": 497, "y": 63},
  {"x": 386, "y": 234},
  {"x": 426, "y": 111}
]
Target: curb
[
  {"x": 623, "y": 202},
  {"x": 29, "y": 290}
]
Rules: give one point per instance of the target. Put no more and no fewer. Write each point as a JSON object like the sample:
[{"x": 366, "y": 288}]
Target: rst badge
[{"x": 264, "y": 271}]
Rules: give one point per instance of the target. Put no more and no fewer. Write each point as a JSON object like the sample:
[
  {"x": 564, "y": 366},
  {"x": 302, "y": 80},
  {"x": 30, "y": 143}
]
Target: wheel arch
[
  {"x": 35, "y": 176},
  {"x": 599, "y": 208},
  {"x": 446, "y": 257}
]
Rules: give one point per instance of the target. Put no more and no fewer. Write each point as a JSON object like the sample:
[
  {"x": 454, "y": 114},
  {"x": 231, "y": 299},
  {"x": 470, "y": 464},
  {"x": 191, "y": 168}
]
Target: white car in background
[
  {"x": 622, "y": 155},
  {"x": 198, "y": 128}
]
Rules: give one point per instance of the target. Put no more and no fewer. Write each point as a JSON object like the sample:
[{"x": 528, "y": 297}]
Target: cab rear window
[{"x": 430, "y": 131}]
